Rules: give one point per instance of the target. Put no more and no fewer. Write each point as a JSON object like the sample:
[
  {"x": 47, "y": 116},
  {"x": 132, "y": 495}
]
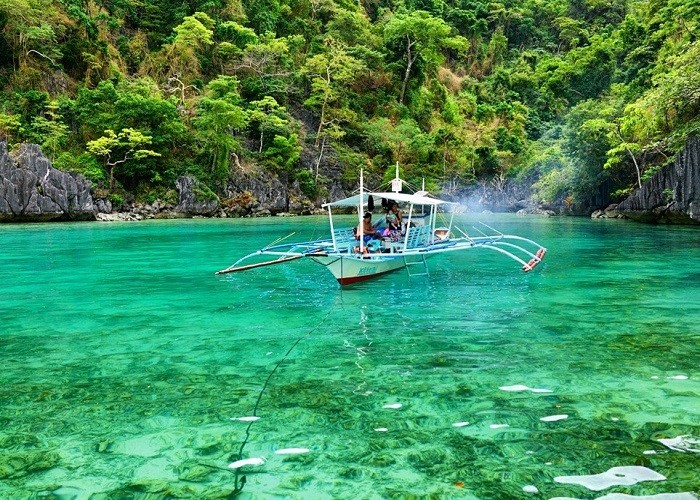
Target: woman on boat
[
  {"x": 399, "y": 215},
  {"x": 393, "y": 223}
]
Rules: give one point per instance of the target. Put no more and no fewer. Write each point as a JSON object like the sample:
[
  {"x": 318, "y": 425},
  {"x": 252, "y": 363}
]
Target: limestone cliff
[
  {"x": 32, "y": 190},
  {"x": 672, "y": 195}
]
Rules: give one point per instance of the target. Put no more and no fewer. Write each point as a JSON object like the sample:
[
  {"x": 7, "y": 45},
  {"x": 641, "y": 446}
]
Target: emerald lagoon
[{"x": 129, "y": 368}]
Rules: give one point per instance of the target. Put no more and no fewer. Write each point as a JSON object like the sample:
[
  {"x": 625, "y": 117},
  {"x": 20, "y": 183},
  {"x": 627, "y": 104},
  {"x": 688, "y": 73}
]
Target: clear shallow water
[{"x": 124, "y": 360}]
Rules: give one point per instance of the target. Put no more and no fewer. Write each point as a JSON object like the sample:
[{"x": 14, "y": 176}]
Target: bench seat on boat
[{"x": 344, "y": 239}]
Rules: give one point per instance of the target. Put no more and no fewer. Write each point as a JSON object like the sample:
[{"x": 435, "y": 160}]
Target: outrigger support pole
[
  {"x": 285, "y": 257},
  {"x": 234, "y": 269}
]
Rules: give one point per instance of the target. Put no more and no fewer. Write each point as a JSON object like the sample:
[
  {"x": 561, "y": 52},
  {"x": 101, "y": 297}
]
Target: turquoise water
[{"x": 124, "y": 360}]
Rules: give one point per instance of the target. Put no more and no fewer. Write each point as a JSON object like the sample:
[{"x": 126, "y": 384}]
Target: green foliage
[
  {"x": 555, "y": 169},
  {"x": 121, "y": 150},
  {"x": 307, "y": 184},
  {"x": 591, "y": 96},
  {"x": 269, "y": 119},
  {"x": 330, "y": 73},
  {"x": 10, "y": 127},
  {"x": 219, "y": 116},
  {"x": 84, "y": 164},
  {"x": 284, "y": 154},
  {"x": 422, "y": 40},
  {"x": 117, "y": 200}
]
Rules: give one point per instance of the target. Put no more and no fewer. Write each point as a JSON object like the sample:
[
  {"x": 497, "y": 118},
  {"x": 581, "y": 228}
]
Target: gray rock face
[
  {"x": 32, "y": 190},
  {"x": 193, "y": 199},
  {"x": 268, "y": 192},
  {"x": 672, "y": 195}
]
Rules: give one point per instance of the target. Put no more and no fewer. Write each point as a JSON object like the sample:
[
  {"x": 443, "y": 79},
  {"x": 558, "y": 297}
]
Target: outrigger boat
[{"x": 351, "y": 260}]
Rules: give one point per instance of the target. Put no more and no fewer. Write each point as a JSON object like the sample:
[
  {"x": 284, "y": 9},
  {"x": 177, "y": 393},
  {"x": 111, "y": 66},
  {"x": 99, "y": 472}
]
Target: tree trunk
[
  {"x": 318, "y": 162},
  {"x": 636, "y": 167},
  {"x": 323, "y": 107},
  {"x": 410, "y": 59}
]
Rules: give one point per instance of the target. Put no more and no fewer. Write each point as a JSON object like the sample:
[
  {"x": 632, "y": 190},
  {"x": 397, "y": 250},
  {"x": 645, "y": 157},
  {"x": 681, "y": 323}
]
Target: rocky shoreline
[
  {"x": 671, "y": 196},
  {"x": 32, "y": 190}
]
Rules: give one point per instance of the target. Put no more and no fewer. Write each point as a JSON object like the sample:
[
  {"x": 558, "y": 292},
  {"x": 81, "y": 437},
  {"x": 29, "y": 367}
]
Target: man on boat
[{"x": 369, "y": 231}]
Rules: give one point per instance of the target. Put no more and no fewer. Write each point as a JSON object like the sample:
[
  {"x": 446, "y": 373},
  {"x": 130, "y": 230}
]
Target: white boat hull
[{"x": 349, "y": 269}]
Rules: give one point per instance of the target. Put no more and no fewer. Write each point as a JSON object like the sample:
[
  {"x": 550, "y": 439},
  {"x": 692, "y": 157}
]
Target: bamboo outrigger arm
[
  {"x": 235, "y": 268},
  {"x": 284, "y": 257}
]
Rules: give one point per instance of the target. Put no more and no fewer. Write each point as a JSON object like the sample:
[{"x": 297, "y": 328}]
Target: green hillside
[{"x": 585, "y": 98}]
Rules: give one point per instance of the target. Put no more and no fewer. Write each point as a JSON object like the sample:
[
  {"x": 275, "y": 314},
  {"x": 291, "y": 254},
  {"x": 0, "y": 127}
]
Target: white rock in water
[
  {"x": 554, "y": 418},
  {"x": 460, "y": 424},
  {"x": 292, "y": 451},
  {"x": 520, "y": 387},
  {"x": 246, "y": 461},
  {"x": 660, "y": 496},
  {"x": 381, "y": 429},
  {"x": 252, "y": 418},
  {"x": 615, "y": 476},
  {"x": 393, "y": 406},
  {"x": 682, "y": 443},
  {"x": 499, "y": 426},
  {"x": 679, "y": 377},
  {"x": 514, "y": 388},
  {"x": 530, "y": 489}
]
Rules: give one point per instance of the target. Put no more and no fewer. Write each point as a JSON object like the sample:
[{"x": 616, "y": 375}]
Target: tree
[
  {"x": 406, "y": 142},
  {"x": 9, "y": 125},
  {"x": 331, "y": 73},
  {"x": 120, "y": 148},
  {"x": 136, "y": 104},
  {"x": 51, "y": 133},
  {"x": 419, "y": 35},
  {"x": 265, "y": 68},
  {"x": 267, "y": 116},
  {"x": 181, "y": 58},
  {"x": 30, "y": 27},
  {"x": 219, "y": 115}
]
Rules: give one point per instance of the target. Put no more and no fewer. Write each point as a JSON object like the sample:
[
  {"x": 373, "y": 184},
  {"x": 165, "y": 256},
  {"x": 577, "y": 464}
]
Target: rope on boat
[
  {"x": 281, "y": 239},
  {"x": 241, "y": 480},
  {"x": 464, "y": 234}
]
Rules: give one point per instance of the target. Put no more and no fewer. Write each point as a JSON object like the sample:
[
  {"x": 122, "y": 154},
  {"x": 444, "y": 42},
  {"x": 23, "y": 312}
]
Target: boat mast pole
[
  {"x": 432, "y": 219},
  {"x": 330, "y": 221},
  {"x": 360, "y": 214}
]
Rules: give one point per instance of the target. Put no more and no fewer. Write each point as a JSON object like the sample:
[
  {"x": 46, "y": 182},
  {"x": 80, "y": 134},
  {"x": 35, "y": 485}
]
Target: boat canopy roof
[{"x": 419, "y": 198}]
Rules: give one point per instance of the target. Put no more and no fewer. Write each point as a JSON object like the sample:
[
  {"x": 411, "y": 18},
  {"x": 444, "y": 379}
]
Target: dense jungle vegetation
[{"x": 578, "y": 97}]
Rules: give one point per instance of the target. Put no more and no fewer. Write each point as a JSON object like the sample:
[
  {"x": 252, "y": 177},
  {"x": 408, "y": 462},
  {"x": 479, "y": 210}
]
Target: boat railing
[
  {"x": 344, "y": 238},
  {"x": 418, "y": 237}
]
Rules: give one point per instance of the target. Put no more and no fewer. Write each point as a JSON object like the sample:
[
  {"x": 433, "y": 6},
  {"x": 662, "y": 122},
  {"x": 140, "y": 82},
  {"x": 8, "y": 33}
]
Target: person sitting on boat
[
  {"x": 399, "y": 215},
  {"x": 369, "y": 231},
  {"x": 392, "y": 221},
  {"x": 393, "y": 224}
]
